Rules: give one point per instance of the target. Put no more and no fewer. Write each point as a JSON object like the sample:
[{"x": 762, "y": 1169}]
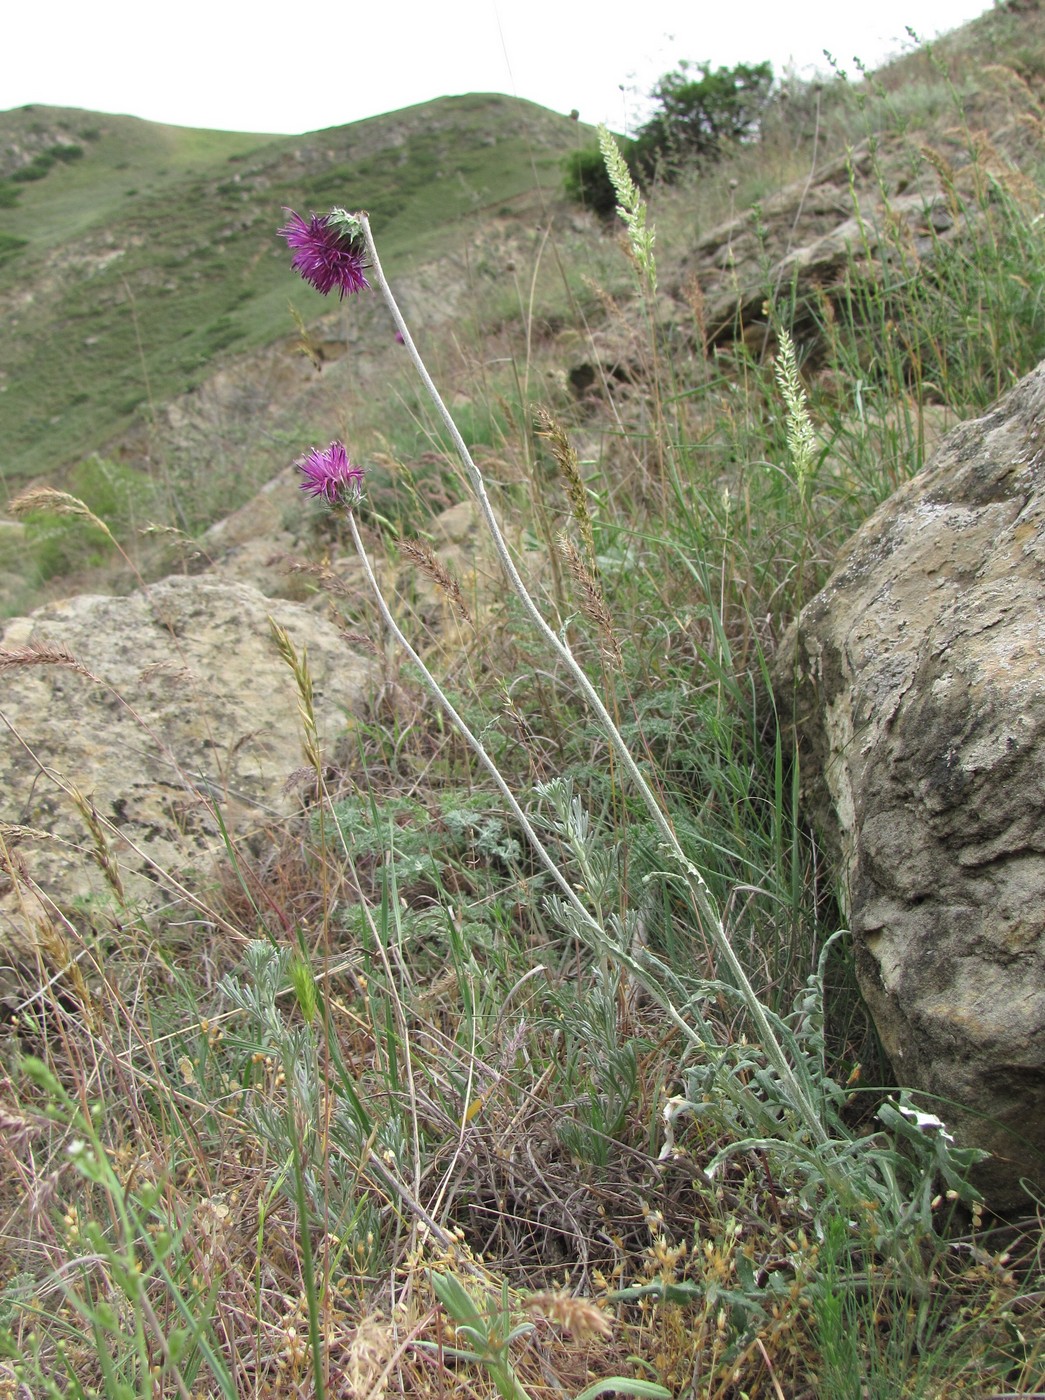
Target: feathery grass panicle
[
  {"x": 46, "y": 499},
  {"x": 525, "y": 735},
  {"x": 801, "y": 439},
  {"x": 592, "y": 602},
  {"x": 303, "y": 980},
  {"x": 360, "y": 640},
  {"x": 12, "y": 833},
  {"x": 697, "y": 303},
  {"x": 369, "y": 1368},
  {"x": 306, "y": 708},
  {"x": 44, "y": 654},
  {"x": 946, "y": 173},
  {"x": 631, "y": 207},
  {"x": 102, "y": 853},
  {"x": 576, "y": 492},
  {"x": 58, "y": 953},
  {"x": 423, "y": 556}
]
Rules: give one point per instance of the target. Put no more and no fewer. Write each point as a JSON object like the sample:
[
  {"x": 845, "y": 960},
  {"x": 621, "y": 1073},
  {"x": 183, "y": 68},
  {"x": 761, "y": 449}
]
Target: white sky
[{"x": 298, "y": 67}]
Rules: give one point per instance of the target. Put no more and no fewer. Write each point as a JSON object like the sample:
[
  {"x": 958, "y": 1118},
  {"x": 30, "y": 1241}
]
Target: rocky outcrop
[
  {"x": 895, "y": 202},
  {"x": 921, "y": 718},
  {"x": 842, "y": 243},
  {"x": 177, "y": 716}
]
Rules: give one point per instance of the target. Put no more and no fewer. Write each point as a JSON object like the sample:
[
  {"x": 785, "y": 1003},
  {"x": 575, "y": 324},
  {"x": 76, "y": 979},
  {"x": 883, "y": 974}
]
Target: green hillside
[{"x": 140, "y": 254}]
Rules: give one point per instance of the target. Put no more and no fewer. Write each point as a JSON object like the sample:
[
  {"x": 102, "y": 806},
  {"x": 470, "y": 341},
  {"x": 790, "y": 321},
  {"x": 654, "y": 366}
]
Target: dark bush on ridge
[
  {"x": 698, "y": 117},
  {"x": 585, "y": 179}
]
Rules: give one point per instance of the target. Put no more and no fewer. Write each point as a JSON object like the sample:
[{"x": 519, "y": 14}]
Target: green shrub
[
  {"x": 697, "y": 118},
  {"x": 35, "y": 170},
  {"x": 585, "y": 180},
  {"x": 10, "y": 245},
  {"x": 700, "y": 116}
]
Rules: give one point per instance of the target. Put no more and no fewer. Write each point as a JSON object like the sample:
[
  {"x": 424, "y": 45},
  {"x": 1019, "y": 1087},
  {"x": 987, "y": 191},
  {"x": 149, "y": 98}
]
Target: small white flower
[{"x": 926, "y": 1120}]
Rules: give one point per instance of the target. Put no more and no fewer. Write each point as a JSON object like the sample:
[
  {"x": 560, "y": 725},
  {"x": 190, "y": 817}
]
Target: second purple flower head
[
  {"x": 328, "y": 251},
  {"x": 330, "y": 476}
]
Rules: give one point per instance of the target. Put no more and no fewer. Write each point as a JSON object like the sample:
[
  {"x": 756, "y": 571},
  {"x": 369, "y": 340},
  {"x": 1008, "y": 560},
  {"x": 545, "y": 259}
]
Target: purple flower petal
[
  {"x": 330, "y": 476},
  {"x": 327, "y": 256}
]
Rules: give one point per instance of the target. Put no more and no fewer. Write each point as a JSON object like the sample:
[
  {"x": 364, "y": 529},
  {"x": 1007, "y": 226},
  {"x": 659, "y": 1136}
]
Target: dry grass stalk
[
  {"x": 327, "y": 579},
  {"x": 11, "y": 833},
  {"x": 591, "y": 601},
  {"x": 440, "y": 575},
  {"x": 581, "y": 1318},
  {"x": 526, "y": 735},
  {"x": 57, "y": 953},
  {"x": 47, "y": 499},
  {"x": 694, "y": 295},
  {"x": 43, "y": 654},
  {"x": 367, "y": 1371},
  {"x": 102, "y": 853},
  {"x": 576, "y": 492},
  {"x": 306, "y": 343}
]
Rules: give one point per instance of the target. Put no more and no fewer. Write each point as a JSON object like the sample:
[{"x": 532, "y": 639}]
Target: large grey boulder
[
  {"x": 921, "y": 723},
  {"x": 184, "y": 712}
]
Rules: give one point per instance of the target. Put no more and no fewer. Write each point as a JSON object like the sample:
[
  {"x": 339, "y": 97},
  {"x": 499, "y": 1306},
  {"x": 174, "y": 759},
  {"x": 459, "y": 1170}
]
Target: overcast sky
[{"x": 294, "y": 68}]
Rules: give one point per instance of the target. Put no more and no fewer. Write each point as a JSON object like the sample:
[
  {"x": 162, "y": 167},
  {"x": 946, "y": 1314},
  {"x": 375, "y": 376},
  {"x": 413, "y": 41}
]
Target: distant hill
[{"x": 136, "y": 257}]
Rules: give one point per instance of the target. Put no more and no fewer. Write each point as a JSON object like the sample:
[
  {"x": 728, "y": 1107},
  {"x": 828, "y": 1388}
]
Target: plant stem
[
  {"x": 696, "y": 884},
  {"x": 473, "y": 742}
]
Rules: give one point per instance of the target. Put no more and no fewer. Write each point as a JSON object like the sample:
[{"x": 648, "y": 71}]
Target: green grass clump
[{"x": 9, "y": 246}]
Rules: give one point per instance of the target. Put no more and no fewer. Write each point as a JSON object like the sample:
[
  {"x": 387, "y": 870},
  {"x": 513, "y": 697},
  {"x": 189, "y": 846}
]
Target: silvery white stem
[
  {"x": 473, "y": 742},
  {"x": 695, "y": 881}
]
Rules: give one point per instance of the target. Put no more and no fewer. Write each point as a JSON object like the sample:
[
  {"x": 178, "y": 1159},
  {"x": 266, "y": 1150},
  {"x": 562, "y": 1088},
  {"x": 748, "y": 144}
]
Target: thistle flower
[
  {"x": 330, "y": 476},
  {"x": 328, "y": 251}
]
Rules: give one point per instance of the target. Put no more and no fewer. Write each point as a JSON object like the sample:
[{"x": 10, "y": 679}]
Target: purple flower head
[
  {"x": 330, "y": 476},
  {"x": 328, "y": 251}
]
